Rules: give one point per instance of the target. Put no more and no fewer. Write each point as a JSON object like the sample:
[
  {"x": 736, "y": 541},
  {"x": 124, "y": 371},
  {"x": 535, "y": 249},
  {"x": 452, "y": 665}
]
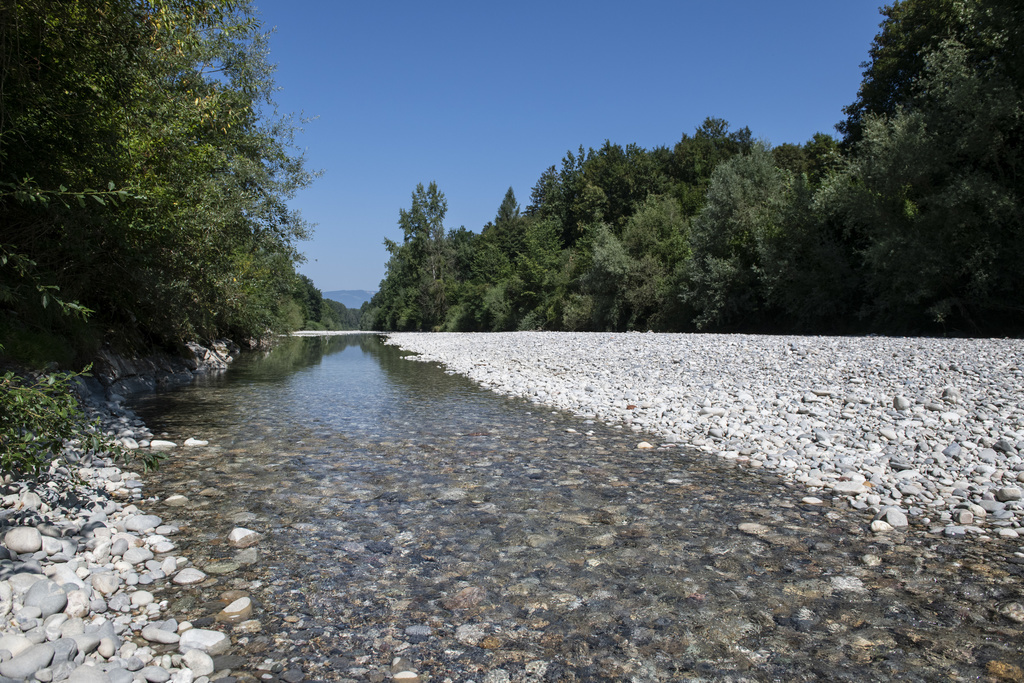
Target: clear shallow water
[{"x": 406, "y": 513}]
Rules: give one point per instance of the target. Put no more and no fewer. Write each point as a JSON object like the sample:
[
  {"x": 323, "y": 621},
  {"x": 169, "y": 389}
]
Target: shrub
[{"x": 37, "y": 417}]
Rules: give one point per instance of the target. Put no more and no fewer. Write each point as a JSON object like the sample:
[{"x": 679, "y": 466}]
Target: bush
[{"x": 37, "y": 417}]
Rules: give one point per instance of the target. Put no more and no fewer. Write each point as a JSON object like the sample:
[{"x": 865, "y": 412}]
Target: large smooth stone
[
  {"x": 199, "y": 662},
  {"x": 142, "y": 522},
  {"x": 88, "y": 674},
  {"x": 23, "y": 539},
  {"x": 189, "y": 576},
  {"x": 28, "y": 662},
  {"x": 211, "y": 642},
  {"x": 15, "y": 644},
  {"x": 105, "y": 582},
  {"x": 238, "y": 611},
  {"x": 243, "y": 538},
  {"x": 158, "y": 635},
  {"x": 47, "y": 596},
  {"x": 137, "y": 555}
]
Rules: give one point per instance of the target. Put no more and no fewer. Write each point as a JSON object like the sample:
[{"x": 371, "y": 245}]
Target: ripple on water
[{"x": 406, "y": 513}]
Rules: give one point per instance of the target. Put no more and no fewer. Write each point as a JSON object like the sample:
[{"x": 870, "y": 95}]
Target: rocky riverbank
[
  {"x": 917, "y": 431},
  {"x": 86, "y": 577}
]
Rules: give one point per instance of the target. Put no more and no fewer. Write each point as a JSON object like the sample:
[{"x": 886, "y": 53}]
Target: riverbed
[{"x": 415, "y": 524}]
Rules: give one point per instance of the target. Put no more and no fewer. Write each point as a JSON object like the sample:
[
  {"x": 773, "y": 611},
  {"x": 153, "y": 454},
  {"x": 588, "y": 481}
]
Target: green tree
[
  {"x": 930, "y": 197},
  {"x": 746, "y": 203},
  {"x": 414, "y": 292},
  {"x": 909, "y": 31},
  {"x": 140, "y": 171}
]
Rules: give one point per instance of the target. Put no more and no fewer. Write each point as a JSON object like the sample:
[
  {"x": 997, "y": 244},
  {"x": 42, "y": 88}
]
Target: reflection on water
[{"x": 407, "y": 513}]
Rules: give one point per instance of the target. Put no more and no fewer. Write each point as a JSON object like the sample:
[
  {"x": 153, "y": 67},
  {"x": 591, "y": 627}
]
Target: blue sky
[{"x": 482, "y": 96}]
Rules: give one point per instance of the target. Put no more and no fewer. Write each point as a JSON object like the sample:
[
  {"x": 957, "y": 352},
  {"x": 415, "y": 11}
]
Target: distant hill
[{"x": 352, "y": 298}]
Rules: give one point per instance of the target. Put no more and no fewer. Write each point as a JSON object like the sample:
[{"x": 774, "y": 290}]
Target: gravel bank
[
  {"x": 86, "y": 577},
  {"x": 923, "y": 431}
]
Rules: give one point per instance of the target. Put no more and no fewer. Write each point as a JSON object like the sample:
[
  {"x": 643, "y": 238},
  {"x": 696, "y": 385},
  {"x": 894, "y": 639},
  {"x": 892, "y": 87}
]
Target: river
[{"x": 412, "y": 521}]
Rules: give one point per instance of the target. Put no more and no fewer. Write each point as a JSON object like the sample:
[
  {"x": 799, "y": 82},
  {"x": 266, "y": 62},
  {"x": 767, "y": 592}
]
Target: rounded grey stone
[
  {"x": 1008, "y": 493},
  {"x": 90, "y": 674},
  {"x": 142, "y": 522},
  {"x": 28, "y": 662},
  {"x": 137, "y": 555},
  {"x": 119, "y": 547},
  {"x": 158, "y": 635},
  {"x": 47, "y": 596},
  {"x": 189, "y": 576},
  {"x": 200, "y": 663},
  {"x": 23, "y": 539},
  {"x": 105, "y": 582},
  {"x": 210, "y": 642},
  {"x": 155, "y": 674}
]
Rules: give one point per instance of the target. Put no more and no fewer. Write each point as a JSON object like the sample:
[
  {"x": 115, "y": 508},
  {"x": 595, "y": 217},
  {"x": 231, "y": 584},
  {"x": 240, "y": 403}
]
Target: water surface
[{"x": 408, "y": 514}]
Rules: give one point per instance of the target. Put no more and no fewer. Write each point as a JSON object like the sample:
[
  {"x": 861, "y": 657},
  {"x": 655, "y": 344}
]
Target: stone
[
  {"x": 470, "y": 634},
  {"x": 119, "y": 547},
  {"x": 137, "y": 555},
  {"x": 195, "y": 443},
  {"x": 105, "y": 582},
  {"x": 189, "y": 576},
  {"x": 894, "y": 517},
  {"x": 1013, "y": 611},
  {"x": 962, "y": 516},
  {"x": 237, "y": 611},
  {"x": 211, "y": 642},
  {"x": 849, "y": 487},
  {"x": 64, "y": 650},
  {"x": 158, "y": 635},
  {"x": 28, "y": 662},
  {"x": 14, "y": 644},
  {"x": 23, "y": 539},
  {"x": 162, "y": 445},
  {"x": 901, "y": 403},
  {"x": 142, "y": 522},
  {"x": 200, "y": 663},
  {"x": 87, "y": 642},
  {"x": 90, "y": 674},
  {"x": 107, "y": 647},
  {"x": 243, "y": 538},
  {"x": 118, "y": 675},
  {"x": 142, "y": 598},
  {"x": 155, "y": 674},
  {"x": 1004, "y": 446},
  {"x": 47, "y": 596},
  {"x": 465, "y": 598},
  {"x": 1007, "y": 494},
  {"x": 222, "y": 567}
]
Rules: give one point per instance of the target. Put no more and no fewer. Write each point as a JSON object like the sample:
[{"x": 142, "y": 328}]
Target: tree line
[{"x": 910, "y": 221}]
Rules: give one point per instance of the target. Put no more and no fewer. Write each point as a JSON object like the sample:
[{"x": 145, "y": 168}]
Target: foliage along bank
[
  {"x": 912, "y": 222},
  {"x": 144, "y": 175}
]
